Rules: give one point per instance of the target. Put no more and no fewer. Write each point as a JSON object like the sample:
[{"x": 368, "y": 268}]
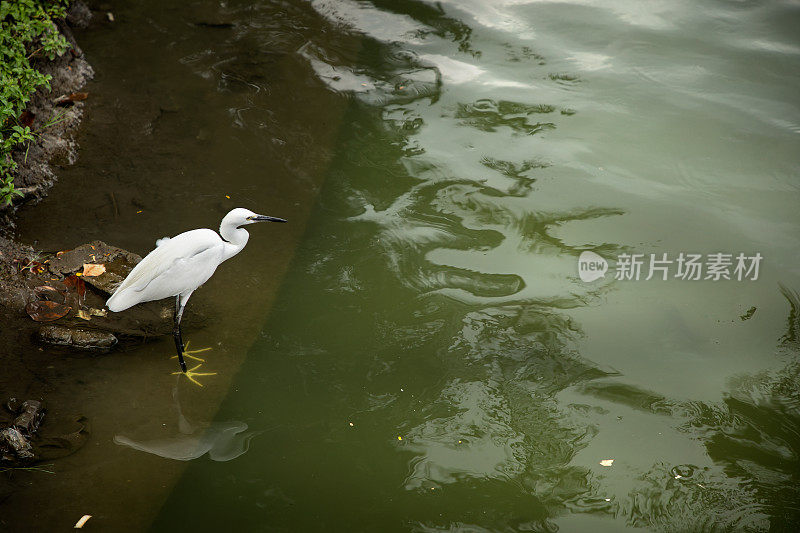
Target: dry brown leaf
[
  {"x": 46, "y": 292},
  {"x": 70, "y": 99},
  {"x": 93, "y": 269},
  {"x": 74, "y": 281},
  {"x": 45, "y": 311}
]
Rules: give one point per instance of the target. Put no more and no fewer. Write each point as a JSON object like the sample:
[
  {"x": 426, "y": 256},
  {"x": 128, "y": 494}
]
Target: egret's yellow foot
[
  {"x": 191, "y": 374},
  {"x": 188, "y": 353}
]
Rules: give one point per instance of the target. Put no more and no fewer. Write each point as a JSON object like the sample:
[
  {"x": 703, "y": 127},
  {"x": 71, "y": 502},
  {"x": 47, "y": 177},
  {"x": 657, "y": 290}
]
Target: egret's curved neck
[{"x": 236, "y": 238}]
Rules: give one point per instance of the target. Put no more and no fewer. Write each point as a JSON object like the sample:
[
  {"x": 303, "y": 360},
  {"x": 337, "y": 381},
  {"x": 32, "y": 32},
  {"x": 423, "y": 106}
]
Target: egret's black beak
[{"x": 264, "y": 218}]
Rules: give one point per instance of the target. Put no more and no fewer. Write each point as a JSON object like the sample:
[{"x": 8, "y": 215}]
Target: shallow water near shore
[{"x": 415, "y": 350}]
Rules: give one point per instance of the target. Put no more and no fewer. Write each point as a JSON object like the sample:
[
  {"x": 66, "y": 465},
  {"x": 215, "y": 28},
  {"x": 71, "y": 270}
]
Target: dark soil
[{"x": 54, "y": 146}]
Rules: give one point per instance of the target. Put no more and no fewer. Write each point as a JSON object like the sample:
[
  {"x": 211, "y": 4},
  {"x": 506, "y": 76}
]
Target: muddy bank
[
  {"x": 30, "y": 284},
  {"x": 54, "y": 146},
  {"x": 55, "y": 114}
]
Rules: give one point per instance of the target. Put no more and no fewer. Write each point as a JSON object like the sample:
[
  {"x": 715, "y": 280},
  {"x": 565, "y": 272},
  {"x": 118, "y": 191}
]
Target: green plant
[
  {"x": 35, "y": 468},
  {"x": 7, "y": 190},
  {"x": 27, "y": 31}
]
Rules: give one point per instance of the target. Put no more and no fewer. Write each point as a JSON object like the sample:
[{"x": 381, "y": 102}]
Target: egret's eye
[{"x": 249, "y": 218}]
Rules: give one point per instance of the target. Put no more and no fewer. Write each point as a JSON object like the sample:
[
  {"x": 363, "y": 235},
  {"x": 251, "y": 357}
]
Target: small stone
[
  {"x": 84, "y": 339},
  {"x": 118, "y": 264},
  {"x": 14, "y": 441},
  {"x": 30, "y": 416}
]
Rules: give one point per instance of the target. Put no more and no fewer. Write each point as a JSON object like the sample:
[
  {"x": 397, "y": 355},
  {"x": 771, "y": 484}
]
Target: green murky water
[{"x": 431, "y": 360}]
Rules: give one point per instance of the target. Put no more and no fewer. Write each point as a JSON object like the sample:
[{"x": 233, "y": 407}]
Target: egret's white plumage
[{"x": 180, "y": 264}]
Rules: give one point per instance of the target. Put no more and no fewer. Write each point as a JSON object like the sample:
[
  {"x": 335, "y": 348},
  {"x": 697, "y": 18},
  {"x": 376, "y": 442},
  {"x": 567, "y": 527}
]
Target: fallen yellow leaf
[
  {"x": 93, "y": 269},
  {"x": 607, "y": 462},
  {"x": 83, "y": 314}
]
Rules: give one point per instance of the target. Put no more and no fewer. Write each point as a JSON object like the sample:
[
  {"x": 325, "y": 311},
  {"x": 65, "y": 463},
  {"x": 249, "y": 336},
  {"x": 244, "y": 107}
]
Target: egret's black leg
[{"x": 176, "y": 331}]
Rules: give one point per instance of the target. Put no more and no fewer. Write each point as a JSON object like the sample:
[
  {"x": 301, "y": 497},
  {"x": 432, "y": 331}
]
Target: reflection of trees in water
[
  {"x": 753, "y": 439},
  {"x": 495, "y": 419},
  {"x": 488, "y": 115},
  {"x": 434, "y": 16},
  {"x": 518, "y": 172},
  {"x": 491, "y": 422},
  {"x": 755, "y": 433},
  {"x": 791, "y": 340}
]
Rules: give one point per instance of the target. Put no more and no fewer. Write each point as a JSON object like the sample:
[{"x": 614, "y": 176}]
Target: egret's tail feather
[{"x": 120, "y": 301}]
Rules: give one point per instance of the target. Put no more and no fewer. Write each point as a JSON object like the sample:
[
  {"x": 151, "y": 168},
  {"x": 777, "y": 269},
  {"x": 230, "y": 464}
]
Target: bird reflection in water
[{"x": 222, "y": 441}]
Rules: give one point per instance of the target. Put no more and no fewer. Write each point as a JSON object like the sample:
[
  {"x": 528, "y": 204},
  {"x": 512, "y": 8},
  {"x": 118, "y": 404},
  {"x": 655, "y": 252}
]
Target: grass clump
[{"x": 27, "y": 31}]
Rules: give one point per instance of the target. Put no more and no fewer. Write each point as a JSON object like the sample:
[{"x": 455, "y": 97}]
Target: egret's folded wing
[{"x": 165, "y": 256}]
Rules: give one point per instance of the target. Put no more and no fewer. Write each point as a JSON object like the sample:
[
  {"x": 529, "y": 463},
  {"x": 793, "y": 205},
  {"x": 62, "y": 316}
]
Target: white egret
[{"x": 181, "y": 264}]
